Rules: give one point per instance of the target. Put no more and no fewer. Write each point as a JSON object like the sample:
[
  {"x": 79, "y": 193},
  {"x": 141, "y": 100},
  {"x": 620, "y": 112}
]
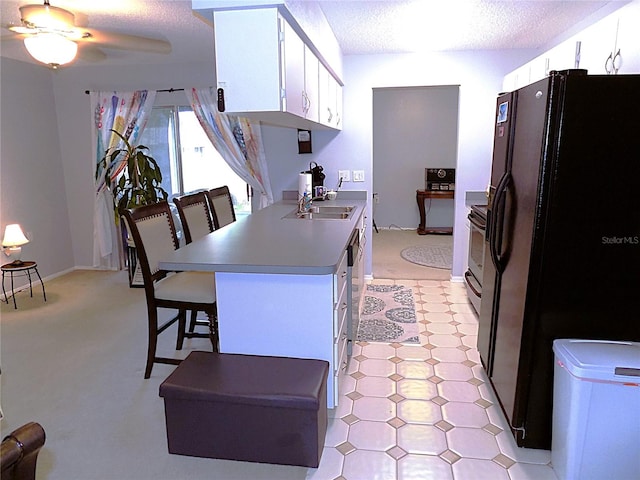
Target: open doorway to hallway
[{"x": 414, "y": 128}]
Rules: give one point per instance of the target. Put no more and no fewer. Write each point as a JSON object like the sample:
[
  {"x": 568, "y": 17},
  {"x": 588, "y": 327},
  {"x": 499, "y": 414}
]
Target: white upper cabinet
[
  {"x": 247, "y": 59},
  {"x": 612, "y": 45},
  {"x": 338, "y": 117},
  {"x": 311, "y": 86},
  {"x": 628, "y": 39},
  {"x": 609, "y": 46},
  {"x": 597, "y": 44},
  {"x": 330, "y": 98},
  {"x": 293, "y": 63},
  {"x": 265, "y": 69},
  {"x": 518, "y": 78}
]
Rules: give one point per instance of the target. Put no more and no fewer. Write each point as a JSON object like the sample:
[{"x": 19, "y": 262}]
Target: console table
[
  {"x": 22, "y": 269},
  {"x": 421, "y": 195}
]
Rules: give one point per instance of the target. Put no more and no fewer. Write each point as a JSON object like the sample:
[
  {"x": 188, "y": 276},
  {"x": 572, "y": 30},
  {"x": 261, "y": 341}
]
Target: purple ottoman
[{"x": 247, "y": 407}]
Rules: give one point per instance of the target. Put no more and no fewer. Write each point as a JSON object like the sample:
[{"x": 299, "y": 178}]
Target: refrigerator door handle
[{"x": 497, "y": 222}]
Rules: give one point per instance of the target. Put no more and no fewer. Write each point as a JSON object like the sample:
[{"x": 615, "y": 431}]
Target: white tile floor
[{"x": 409, "y": 412}]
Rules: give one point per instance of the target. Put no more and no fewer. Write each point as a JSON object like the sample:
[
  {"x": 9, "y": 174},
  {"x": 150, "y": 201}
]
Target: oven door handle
[
  {"x": 468, "y": 274},
  {"x": 477, "y": 222}
]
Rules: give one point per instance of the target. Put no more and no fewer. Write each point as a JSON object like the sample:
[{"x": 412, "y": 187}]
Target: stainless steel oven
[{"x": 473, "y": 276}]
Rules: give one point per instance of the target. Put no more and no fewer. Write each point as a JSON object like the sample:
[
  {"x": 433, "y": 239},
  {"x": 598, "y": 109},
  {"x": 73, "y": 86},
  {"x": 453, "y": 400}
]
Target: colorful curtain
[
  {"x": 126, "y": 113},
  {"x": 237, "y": 139}
]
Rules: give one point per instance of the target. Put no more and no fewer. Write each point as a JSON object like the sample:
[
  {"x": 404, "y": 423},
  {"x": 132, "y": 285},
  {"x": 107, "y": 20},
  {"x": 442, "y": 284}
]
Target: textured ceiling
[
  {"x": 415, "y": 25},
  {"x": 361, "y": 26}
]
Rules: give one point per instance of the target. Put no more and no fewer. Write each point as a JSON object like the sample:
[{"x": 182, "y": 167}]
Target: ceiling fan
[{"x": 51, "y": 37}]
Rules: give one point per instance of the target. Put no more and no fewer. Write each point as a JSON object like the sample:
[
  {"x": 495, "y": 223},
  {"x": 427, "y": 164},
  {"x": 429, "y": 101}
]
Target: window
[{"x": 187, "y": 158}]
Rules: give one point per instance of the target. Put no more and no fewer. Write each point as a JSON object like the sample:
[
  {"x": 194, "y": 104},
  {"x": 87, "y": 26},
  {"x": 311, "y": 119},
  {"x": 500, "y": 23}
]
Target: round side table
[{"x": 20, "y": 269}]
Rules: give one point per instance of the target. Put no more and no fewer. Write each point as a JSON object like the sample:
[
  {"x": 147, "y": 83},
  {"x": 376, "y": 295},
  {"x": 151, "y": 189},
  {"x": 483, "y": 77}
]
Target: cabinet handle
[
  {"x": 344, "y": 306},
  {"x": 607, "y": 62},
  {"x": 344, "y": 274},
  {"x": 615, "y": 65}
]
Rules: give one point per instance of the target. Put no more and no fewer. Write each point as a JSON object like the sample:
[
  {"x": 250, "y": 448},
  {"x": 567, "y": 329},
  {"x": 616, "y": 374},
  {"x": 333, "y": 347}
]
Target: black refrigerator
[{"x": 563, "y": 234}]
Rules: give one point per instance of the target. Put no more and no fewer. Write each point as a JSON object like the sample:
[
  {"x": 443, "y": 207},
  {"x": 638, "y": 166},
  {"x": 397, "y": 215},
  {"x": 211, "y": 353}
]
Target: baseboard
[{"x": 393, "y": 227}]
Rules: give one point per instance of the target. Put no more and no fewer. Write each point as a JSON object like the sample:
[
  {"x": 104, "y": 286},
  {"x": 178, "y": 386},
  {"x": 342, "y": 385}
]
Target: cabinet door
[
  {"x": 519, "y": 77},
  {"x": 324, "y": 111},
  {"x": 561, "y": 57},
  {"x": 597, "y": 44},
  {"x": 337, "y": 122},
  {"x": 628, "y": 41},
  {"x": 293, "y": 71},
  {"x": 327, "y": 97},
  {"x": 311, "y": 86},
  {"x": 257, "y": 49}
]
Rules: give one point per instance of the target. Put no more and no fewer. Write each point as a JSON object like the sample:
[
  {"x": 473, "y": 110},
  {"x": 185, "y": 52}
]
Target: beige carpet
[
  {"x": 75, "y": 365},
  {"x": 387, "y": 262}
]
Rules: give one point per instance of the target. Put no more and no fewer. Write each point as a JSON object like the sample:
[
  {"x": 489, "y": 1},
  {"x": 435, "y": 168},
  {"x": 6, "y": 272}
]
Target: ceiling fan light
[{"x": 51, "y": 48}]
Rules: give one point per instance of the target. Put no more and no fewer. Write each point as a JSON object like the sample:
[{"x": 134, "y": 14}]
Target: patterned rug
[
  {"x": 388, "y": 315},
  {"x": 437, "y": 256}
]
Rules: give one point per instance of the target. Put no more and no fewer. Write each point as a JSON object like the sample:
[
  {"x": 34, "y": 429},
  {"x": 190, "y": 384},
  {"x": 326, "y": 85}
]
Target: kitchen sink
[
  {"x": 330, "y": 209},
  {"x": 329, "y": 212}
]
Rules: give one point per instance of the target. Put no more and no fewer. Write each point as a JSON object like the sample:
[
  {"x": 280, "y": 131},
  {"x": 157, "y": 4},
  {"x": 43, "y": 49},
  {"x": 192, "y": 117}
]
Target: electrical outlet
[
  {"x": 345, "y": 175},
  {"x": 358, "y": 175}
]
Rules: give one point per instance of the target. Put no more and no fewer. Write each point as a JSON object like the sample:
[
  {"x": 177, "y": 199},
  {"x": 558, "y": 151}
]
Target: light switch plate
[
  {"x": 345, "y": 175},
  {"x": 358, "y": 175}
]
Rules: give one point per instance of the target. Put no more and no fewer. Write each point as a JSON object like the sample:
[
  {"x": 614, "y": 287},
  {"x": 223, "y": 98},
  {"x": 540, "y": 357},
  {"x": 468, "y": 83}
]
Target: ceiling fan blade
[
  {"x": 47, "y": 17},
  {"x": 90, "y": 53},
  {"x": 127, "y": 42},
  {"x": 21, "y": 29}
]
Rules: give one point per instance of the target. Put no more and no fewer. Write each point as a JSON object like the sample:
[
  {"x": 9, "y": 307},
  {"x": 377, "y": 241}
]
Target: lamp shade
[
  {"x": 51, "y": 48},
  {"x": 13, "y": 236}
]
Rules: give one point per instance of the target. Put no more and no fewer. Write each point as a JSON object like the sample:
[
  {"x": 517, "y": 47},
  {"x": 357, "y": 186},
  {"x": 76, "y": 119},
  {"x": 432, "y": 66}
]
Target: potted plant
[{"x": 139, "y": 184}]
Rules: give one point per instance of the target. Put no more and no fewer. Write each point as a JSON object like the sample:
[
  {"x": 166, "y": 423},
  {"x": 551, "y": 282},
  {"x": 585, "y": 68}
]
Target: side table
[
  {"x": 20, "y": 269},
  {"x": 421, "y": 196}
]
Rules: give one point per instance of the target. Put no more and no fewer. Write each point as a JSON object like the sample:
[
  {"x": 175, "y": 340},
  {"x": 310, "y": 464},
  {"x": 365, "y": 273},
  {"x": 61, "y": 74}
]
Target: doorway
[{"x": 414, "y": 128}]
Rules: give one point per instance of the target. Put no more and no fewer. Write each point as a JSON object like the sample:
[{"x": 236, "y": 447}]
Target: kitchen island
[{"x": 281, "y": 283}]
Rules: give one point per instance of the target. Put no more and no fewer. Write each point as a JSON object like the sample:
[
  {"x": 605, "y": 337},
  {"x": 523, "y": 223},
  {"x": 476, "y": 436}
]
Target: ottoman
[{"x": 247, "y": 407}]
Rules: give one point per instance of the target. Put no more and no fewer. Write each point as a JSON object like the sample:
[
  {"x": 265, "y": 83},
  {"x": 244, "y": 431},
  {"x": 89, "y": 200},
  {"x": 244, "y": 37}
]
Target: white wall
[
  {"x": 32, "y": 189},
  {"x": 413, "y": 128},
  {"x": 479, "y": 75}
]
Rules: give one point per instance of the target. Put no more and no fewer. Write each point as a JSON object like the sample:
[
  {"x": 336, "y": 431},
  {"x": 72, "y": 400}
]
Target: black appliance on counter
[
  {"x": 563, "y": 234},
  {"x": 436, "y": 179},
  {"x": 317, "y": 180}
]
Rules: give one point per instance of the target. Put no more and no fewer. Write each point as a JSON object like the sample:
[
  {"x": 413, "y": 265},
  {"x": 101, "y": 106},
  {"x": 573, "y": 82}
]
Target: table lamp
[{"x": 13, "y": 241}]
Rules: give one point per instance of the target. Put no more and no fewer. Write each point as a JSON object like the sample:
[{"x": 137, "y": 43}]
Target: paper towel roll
[{"x": 304, "y": 184}]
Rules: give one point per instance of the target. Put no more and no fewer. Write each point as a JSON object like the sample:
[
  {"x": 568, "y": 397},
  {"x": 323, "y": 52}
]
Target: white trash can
[{"x": 596, "y": 410}]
